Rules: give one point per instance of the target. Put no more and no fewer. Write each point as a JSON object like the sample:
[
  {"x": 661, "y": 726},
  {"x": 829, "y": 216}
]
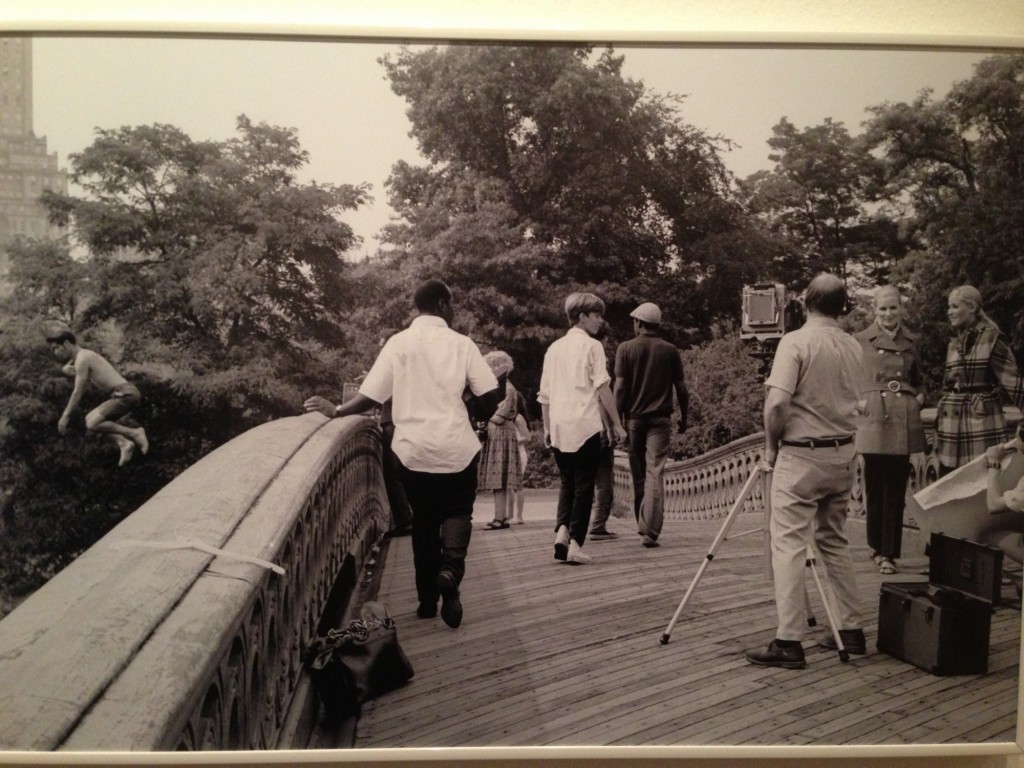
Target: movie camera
[{"x": 769, "y": 311}]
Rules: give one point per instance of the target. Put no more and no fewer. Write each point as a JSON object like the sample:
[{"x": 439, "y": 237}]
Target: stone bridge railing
[
  {"x": 183, "y": 628},
  {"x": 701, "y": 488},
  {"x": 706, "y": 487}
]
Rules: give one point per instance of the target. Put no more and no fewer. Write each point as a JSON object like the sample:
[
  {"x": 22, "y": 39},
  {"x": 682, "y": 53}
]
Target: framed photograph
[{"x": 309, "y": 132}]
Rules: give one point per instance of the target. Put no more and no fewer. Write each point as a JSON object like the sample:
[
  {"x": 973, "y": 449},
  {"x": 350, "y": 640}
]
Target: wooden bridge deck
[{"x": 550, "y": 654}]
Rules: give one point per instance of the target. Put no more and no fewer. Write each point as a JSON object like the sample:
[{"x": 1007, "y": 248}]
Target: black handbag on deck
[{"x": 357, "y": 663}]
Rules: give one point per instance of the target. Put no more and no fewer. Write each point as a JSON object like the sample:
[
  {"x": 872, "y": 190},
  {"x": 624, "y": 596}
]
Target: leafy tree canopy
[
  {"x": 208, "y": 275},
  {"x": 819, "y": 199},
  {"x": 211, "y": 256},
  {"x": 549, "y": 172}
]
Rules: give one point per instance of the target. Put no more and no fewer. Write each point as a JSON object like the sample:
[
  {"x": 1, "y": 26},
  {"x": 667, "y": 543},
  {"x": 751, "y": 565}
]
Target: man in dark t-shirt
[{"x": 647, "y": 370}]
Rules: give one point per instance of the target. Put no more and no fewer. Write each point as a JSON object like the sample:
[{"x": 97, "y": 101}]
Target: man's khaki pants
[{"x": 810, "y": 494}]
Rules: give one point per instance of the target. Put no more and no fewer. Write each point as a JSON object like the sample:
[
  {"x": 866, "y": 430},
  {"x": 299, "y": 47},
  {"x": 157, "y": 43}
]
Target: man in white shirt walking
[
  {"x": 574, "y": 390},
  {"x": 425, "y": 370}
]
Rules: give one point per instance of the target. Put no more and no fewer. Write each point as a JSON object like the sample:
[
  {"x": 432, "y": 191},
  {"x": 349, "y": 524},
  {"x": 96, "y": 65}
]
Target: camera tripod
[{"x": 758, "y": 472}]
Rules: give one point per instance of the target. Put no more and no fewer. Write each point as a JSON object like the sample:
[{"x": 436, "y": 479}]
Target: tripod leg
[
  {"x": 844, "y": 655},
  {"x": 736, "y": 507},
  {"x": 682, "y": 604},
  {"x": 766, "y": 498}
]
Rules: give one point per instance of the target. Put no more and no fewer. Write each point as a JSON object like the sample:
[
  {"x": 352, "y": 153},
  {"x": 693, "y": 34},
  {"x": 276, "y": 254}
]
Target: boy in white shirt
[{"x": 574, "y": 390}]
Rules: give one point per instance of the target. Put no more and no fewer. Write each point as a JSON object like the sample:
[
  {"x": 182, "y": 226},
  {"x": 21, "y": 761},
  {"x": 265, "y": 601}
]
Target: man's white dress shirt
[{"x": 424, "y": 370}]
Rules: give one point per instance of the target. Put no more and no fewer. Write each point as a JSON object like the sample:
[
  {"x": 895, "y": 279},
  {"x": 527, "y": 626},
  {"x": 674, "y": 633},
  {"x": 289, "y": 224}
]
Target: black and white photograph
[{"x": 372, "y": 394}]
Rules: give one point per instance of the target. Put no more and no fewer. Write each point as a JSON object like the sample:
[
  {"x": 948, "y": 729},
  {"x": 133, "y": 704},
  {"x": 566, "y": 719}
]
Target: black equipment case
[{"x": 943, "y": 625}]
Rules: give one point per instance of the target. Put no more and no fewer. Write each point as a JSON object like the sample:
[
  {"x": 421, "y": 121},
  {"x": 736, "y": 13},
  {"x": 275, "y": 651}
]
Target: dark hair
[
  {"x": 60, "y": 337},
  {"x": 826, "y": 295},
  {"x": 429, "y": 295}
]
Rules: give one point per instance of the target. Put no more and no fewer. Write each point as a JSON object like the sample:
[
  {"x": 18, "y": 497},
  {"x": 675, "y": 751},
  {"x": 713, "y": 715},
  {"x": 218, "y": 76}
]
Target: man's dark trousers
[
  {"x": 649, "y": 439},
  {"x": 442, "y": 514},
  {"x": 603, "y": 488},
  {"x": 576, "y": 491},
  {"x": 401, "y": 512}
]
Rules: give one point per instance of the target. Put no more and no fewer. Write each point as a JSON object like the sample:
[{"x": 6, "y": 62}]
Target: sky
[{"x": 335, "y": 95}]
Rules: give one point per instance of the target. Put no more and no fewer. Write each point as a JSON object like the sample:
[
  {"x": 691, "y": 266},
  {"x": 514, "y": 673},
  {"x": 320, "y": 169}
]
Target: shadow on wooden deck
[{"x": 550, "y": 654}]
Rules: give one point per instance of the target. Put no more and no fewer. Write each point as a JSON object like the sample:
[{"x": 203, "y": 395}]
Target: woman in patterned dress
[
  {"x": 499, "y": 469},
  {"x": 979, "y": 368}
]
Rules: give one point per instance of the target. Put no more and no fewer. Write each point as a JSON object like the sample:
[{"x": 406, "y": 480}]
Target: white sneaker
[
  {"x": 576, "y": 556},
  {"x": 561, "y": 543}
]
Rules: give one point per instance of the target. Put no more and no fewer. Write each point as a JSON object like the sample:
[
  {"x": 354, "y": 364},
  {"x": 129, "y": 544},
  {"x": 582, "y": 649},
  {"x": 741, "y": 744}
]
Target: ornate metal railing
[
  {"x": 706, "y": 487},
  {"x": 701, "y": 488},
  {"x": 183, "y": 628}
]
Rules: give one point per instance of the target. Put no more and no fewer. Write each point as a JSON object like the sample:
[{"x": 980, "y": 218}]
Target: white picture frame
[{"x": 994, "y": 24}]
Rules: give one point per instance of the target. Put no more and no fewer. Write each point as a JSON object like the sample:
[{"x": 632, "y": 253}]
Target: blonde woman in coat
[{"x": 889, "y": 427}]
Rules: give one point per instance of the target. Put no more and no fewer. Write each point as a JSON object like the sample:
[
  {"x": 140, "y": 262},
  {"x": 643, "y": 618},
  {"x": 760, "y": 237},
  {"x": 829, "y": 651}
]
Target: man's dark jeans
[
  {"x": 576, "y": 491},
  {"x": 442, "y": 514},
  {"x": 603, "y": 487},
  {"x": 648, "y": 452},
  {"x": 401, "y": 512}
]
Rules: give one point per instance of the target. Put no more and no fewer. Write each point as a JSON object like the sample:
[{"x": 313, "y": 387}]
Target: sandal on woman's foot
[
  {"x": 495, "y": 525},
  {"x": 886, "y": 567},
  {"x": 518, "y": 522}
]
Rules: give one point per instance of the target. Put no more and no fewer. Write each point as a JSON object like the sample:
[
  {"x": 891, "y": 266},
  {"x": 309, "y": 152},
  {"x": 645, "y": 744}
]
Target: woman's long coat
[
  {"x": 980, "y": 369},
  {"x": 891, "y": 419}
]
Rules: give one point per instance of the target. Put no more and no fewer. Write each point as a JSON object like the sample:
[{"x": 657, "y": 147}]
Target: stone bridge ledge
[{"x": 147, "y": 642}]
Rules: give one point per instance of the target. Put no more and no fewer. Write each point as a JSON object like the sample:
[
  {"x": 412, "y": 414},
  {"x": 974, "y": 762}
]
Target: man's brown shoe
[{"x": 774, "y": 656}]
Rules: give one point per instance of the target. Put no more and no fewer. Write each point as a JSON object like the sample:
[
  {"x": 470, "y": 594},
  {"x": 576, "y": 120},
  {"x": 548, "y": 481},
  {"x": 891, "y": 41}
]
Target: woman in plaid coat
[{"x": 979, "y": 368}]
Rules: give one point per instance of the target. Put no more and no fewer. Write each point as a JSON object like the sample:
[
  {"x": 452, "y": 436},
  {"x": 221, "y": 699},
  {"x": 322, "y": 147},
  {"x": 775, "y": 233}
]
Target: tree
[
  {"x": 224, "y": 273},
  {"x": 726, "y": 396},
  {"x": 547, "y": 172},
  {"x": 209, "y": 276},
  {"x": 818, "y": 199}
]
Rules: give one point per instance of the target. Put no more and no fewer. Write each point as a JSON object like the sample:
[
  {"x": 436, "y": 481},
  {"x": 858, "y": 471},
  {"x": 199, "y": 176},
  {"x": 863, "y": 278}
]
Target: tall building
[{"x": 26, "y": 168}]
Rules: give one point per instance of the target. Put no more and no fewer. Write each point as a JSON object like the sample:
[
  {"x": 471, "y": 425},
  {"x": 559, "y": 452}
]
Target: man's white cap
[{"x": 648, "y": 313}]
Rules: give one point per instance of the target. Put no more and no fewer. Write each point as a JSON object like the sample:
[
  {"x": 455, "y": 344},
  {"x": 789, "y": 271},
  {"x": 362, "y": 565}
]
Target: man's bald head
[{"x": 826, "y": 295}]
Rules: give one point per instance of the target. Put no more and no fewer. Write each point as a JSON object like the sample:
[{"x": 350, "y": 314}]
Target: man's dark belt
[
  {"x": 819, "y": 442},
  {"x": 891, "y": 386}
]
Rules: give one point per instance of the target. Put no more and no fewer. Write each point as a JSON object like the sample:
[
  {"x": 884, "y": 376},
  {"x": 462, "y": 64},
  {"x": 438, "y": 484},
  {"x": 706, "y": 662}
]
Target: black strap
[{"x": 819, "y": 442}]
